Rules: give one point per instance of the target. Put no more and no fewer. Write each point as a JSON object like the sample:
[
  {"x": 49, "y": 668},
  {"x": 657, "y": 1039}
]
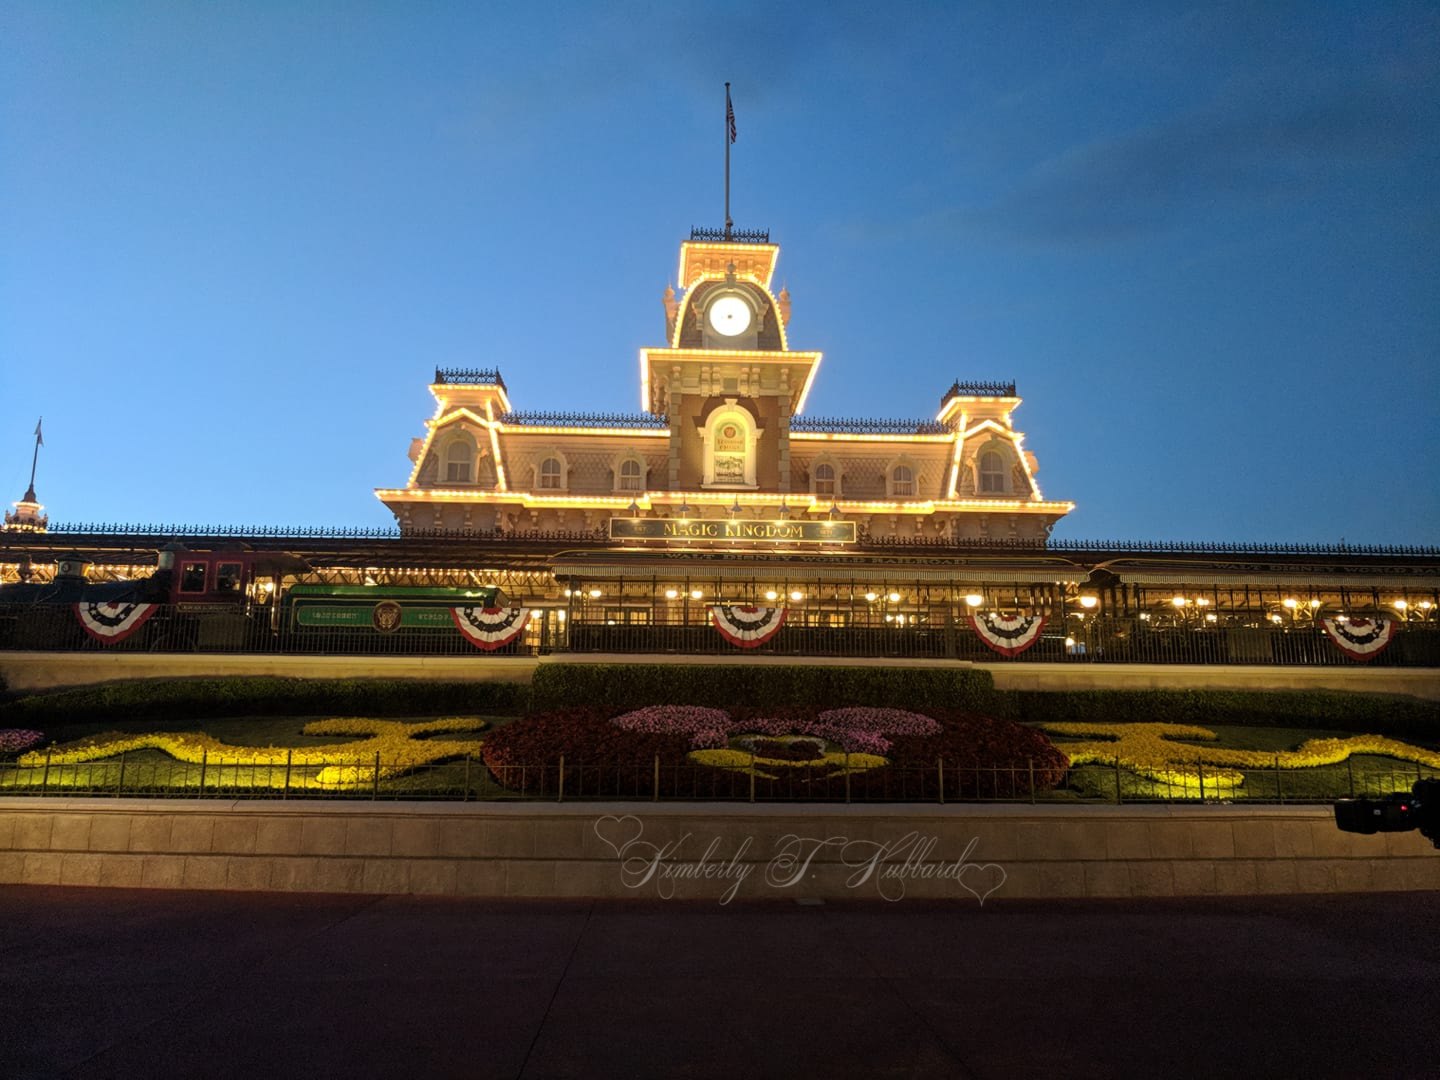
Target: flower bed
[
  {"x": 975, "y": 756},
  {"x": 340, "y": 765},
  {"x": 1154, "y": 751},
  {"x": 600, "y": 757}
]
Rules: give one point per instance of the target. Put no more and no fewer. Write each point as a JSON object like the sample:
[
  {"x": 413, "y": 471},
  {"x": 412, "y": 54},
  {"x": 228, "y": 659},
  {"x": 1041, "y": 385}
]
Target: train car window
[
  {"x": 192, "y": 577},
  {"x": 227, "y": 578}
]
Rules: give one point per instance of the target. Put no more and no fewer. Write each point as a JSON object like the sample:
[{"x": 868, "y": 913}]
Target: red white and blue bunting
[
  {"x": 1360, "y": 639},
  {"x": 110, "y": 624},
  {"x": 490, "y": 628},
  {"x": 1008, "y": 635},
  {"x": 747, "y": 627}
]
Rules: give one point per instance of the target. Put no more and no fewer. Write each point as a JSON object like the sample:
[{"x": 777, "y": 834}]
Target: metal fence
[{"x": 152, "y": 774}]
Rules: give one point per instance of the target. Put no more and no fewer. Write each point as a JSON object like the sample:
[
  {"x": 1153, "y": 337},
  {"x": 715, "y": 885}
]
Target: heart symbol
[
  {"x": 990, "y": 872},
  {"x": 626, "y": 830}
]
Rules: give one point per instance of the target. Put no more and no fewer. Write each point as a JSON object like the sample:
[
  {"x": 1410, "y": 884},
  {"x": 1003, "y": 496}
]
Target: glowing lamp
[
  {"x": 1178, "y": 601},
  {"x": 770, "y": 594},
  {"x": 974, "y": 599},
  {"x": 894, "y": 598},
  {"x": 594, "y": 594},
  {"x": 1088, "y": 601},
  {"x": 797, "y": 595},
  {"x": 870, "y": 597},
  {"x": 1400, "y": 605},
  {"x": 696, "y": 594},
  {"x": 1291, "y": 603},
  {"x": 671, "y": 594}
]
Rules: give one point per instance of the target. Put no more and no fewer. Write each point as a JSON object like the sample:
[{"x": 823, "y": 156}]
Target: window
[
  {"x": 631, "y": 476},
  {"x": 550, "y": 474},
  {"x": 902, "y": 481},
  {"x": 731, "y": 444},
  {"x": 227, "y": 578},
  {"x": 992, "y": 471},
  {"x": 458, "y": 458},
  {"x": 192, "y": 577},
  {"x": 824, "y": 479}
]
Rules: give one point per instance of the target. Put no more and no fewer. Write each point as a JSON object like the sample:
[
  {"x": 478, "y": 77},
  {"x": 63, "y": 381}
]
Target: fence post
[
  {"x": 45, "y": 776},
  {"x": 655, "y": 790},
  {"x": 1200, "y": 772},
  {"x": 1118, "y": 798},
  {"x": 375, "y": 779},
  {"x": 289, "y": 761},
  {"x": 1279, "y": 783},
  {"x": 847, "y": 776},
  {"x": 1032, "y": 781},
  {"x": 752, "y": 775},
  {"x": 561, "y": 797},
  {"x": 466, "y": 796},
  {"x": 1350, "y": 768},
  {"x": 940, "y": 775},
  {"x": 204, "y": 763},
  {"x": 120, "y": 782}
]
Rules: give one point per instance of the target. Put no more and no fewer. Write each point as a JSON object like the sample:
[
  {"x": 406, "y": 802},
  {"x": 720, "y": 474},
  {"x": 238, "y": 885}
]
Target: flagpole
[
  {"x": 34, "y": 458},
  {"x": 728, "y": 222}
]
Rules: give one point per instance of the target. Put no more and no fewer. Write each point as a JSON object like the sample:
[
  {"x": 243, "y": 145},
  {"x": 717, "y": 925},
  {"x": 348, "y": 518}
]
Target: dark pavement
[{"x": 144, "y": 983}]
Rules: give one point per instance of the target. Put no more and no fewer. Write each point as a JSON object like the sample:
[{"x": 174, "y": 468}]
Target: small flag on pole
[
  {"x": 39, "y": 438},
  {"x": 729, "y": 113}
]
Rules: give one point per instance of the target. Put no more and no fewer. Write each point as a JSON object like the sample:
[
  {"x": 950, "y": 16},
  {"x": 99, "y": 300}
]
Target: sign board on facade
[{"x": 738, "y": 531}]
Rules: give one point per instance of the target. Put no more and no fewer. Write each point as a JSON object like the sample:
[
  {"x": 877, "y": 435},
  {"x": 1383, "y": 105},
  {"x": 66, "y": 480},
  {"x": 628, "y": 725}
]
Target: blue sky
[{"x": 236, "y": 239}]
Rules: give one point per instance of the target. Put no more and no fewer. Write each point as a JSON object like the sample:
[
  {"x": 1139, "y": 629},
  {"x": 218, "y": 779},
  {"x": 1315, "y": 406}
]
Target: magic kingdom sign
[{"x": 738, "y": 531}]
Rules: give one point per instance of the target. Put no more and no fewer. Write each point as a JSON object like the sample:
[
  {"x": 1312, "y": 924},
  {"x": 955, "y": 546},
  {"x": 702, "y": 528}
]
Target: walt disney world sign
[{"x": 738, "y": 531}]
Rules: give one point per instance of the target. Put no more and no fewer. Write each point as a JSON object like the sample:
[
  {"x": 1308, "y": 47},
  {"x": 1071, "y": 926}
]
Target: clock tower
[{"x": 728, "y": 380}]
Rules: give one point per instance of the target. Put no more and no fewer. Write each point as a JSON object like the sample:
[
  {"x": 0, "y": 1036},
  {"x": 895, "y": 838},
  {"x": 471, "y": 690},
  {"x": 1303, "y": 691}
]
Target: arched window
[
  {"x": 825, "y": 479},
  {"x": 730, "y": 437},
  {"x": 632, "y": 476},
  {"x": 550, "y": 474},
  {"x": 459, "y": 458},
  {"x": 902, "y": 481},
  {"x": 992, "y": 472}
]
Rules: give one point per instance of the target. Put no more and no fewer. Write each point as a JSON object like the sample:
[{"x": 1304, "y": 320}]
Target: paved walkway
[{"x": 118, "y": 983}]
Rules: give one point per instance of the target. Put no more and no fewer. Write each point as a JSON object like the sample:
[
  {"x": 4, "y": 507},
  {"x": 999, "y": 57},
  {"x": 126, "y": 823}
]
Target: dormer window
[
  {"x": 550, "y": 474},
  {"x": 992, "y": 472},
  {"x": 825, "y": 479},
  {"x": 459, "y": 459},
  {"x": 632, "y": 476},
  {"x": 902, "y": 481}
]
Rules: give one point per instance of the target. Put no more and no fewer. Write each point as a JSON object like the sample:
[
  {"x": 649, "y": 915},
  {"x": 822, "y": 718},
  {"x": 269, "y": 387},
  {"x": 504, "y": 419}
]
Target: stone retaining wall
[{"x": 573, "y": 849}]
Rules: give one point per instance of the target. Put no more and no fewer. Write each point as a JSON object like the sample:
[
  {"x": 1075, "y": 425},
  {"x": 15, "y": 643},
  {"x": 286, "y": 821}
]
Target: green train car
[{"x": 437, "y": 619}]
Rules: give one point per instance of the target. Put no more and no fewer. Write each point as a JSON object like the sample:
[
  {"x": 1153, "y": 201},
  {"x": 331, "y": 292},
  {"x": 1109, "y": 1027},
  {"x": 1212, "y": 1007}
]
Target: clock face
[{"x": 730, "y": 315}]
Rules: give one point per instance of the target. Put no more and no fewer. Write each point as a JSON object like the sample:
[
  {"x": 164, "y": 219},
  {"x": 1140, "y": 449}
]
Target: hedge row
[
  {"x": 187, "y": 699},
  {"x": 632, "y": 686},
  {"x": 626, "y": 686},
  {"x": 1330, "y": 710}
]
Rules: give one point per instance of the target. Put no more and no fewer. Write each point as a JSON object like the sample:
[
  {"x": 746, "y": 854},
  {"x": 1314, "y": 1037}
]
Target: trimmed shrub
[
  {"x": 1330, "y": 710},
  {"x": 634, "y": 686},
  {"x": 189, "y": 699}
]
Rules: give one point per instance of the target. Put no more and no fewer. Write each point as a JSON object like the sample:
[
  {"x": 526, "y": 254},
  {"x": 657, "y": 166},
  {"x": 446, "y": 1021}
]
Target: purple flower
[{"x": 17, "y": 740}]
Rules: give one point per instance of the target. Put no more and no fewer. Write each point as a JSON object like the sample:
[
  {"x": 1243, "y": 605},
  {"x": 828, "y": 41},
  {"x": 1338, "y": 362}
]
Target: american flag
[{"x": 729, "y": 114}]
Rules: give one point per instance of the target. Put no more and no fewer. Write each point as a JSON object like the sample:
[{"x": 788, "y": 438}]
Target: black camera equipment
[{"x": 1420, "y": 809}]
